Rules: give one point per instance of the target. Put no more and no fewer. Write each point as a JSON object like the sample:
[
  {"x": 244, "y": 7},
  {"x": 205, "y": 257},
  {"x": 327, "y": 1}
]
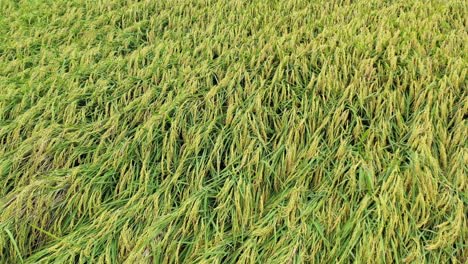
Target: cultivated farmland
[{"x": 212, "y": 131}]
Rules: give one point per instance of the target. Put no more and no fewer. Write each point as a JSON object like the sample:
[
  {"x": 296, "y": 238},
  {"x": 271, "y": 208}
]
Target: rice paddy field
[{"x": 211, "y": 131}]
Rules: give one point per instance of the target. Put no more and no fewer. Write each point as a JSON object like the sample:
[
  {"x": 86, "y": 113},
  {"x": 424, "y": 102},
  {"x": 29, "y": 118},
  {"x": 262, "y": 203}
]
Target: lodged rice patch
[{"x": 210, "y": 131}]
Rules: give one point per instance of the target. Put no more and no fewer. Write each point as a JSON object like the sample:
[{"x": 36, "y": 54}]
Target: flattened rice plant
[{"x": 213, "y": 131}]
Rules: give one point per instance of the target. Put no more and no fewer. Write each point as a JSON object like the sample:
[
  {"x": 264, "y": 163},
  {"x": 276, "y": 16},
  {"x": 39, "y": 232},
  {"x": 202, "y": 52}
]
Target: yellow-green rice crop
[{"x": 242, "y": 131}]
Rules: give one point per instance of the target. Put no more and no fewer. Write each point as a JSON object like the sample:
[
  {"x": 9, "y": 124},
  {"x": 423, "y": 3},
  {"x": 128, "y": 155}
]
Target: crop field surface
[{"x": 211, "y": 131}]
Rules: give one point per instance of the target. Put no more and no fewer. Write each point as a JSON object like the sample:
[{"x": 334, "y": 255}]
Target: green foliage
[{"x": 214, "y": 131}]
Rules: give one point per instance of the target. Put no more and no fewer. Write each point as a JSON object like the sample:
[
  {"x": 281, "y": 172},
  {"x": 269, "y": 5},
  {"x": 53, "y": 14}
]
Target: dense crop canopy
[{"x": 211, "y": 131}]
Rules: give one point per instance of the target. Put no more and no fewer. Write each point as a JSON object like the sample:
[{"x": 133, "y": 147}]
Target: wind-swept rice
[{"x": 213, "y": 131}]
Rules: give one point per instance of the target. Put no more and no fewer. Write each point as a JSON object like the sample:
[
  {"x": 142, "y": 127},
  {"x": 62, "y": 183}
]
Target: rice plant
[{"x": 211, "y": 131}]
